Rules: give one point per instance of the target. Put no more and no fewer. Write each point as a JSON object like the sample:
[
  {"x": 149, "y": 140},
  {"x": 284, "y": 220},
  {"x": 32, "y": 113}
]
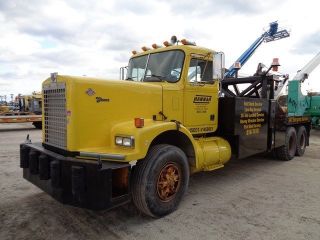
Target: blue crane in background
[{"x": 272, "y": 34}]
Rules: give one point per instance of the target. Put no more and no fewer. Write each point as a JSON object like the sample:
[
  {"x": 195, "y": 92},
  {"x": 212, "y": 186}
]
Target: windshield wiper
[{"x": 150, "y": 78}]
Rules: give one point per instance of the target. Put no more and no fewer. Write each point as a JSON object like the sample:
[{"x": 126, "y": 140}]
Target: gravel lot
[{"x": 256, "y": 198}]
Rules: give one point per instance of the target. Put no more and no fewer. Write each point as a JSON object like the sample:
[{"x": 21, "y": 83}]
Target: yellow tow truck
[{"x": 107, "y": 142}]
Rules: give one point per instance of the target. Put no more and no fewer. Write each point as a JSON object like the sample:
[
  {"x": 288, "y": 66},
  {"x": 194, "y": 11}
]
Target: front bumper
[{"x": 77, "y": 182}]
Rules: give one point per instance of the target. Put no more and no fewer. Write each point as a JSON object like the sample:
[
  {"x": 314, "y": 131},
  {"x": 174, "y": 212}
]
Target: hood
[{"x": 94, "y": 106}]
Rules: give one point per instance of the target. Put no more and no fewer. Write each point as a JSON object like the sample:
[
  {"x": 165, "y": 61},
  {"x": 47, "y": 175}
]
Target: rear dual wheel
[
  {"x": 160, "y": 180},
  {"x": 301, "y": 141},
  {"x": 288, "y": 151},
  {"x": 295, "y": 144}
]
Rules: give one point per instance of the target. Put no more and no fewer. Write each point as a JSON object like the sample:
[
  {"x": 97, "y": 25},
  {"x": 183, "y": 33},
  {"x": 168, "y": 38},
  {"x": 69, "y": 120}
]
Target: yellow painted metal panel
[{"x": 216, "y": 152}]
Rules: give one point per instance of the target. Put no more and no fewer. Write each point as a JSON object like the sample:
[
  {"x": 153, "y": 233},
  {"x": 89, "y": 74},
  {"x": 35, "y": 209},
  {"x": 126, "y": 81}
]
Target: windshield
[{"x": 162, "y": 66}]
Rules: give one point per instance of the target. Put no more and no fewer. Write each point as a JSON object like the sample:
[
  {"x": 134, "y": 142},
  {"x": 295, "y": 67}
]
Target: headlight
[
  {"x": 124, "y": 141},
  {"x": 119, "y": 140}
]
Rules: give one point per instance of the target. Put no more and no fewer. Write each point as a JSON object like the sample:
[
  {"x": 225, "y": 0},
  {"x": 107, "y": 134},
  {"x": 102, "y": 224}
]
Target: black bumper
[{"x": 77, "y": 182}]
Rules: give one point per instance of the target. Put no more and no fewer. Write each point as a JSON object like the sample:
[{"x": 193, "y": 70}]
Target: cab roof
[{"x": 188, "y": 49}]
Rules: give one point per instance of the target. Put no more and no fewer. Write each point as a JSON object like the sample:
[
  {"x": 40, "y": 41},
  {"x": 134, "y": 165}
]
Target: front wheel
[{"x": 160, "y": 180}]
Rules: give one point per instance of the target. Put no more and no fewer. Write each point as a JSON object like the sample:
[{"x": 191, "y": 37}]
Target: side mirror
[
  {"x": 123, "y": 72},
  {"x": 218, "y": 66}
]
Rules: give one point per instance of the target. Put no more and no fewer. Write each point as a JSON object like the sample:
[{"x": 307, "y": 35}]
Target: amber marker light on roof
[
  {"x": 144, "y": 48},
  {"x": 155, "y": 46},
  {"x": 186, "y": 42},
  {"x": 167, "y": 44}
]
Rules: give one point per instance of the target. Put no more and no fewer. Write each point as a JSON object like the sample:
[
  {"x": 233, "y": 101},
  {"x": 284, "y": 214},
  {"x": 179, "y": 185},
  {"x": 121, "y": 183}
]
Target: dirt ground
[{"x": 256, "y": 198}]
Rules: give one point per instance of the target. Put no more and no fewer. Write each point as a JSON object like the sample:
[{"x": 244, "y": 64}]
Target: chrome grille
[{"x": 55, "y": 119}]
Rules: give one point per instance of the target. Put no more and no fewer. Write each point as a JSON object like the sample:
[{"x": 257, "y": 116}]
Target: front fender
[{"x": 144, "y": 136}]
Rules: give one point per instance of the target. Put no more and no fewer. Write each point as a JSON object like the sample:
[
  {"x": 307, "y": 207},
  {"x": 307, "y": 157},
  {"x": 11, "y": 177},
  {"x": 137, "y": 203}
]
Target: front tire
[
  {"x": 288, "y": 151},
  {"x": 160, "y": 180}
]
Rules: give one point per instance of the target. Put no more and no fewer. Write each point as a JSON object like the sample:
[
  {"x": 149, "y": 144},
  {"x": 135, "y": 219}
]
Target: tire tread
[
  {"x": 140, "y": 173},
  {"x": 283, "y": 151}
]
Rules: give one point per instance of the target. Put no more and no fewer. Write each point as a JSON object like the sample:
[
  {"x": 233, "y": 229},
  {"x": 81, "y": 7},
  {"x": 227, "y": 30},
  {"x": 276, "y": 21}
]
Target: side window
[{"x": 200, "y": 70}]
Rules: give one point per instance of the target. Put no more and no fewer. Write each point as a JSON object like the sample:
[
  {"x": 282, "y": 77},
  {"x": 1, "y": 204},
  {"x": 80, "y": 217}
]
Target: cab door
[{"x": 200, "y": 97}]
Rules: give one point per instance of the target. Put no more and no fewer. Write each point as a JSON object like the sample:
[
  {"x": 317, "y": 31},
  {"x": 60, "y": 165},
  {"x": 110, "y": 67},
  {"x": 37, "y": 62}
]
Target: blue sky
[{"x": 95, "y": 38}]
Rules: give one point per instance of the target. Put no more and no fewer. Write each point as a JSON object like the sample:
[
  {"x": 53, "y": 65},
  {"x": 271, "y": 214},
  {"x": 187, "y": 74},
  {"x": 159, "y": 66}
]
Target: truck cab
[{"x": 185, "y": 73}]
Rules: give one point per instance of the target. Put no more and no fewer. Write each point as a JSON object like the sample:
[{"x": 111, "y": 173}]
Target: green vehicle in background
[{"x": 295, "y": 103}]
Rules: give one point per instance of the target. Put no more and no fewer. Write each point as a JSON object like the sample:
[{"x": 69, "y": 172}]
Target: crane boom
[
  {"x": 271, "y": 35},
  {"x": 299, "y": 104},
  {"x": 308, "y": 68},
  {"x": 301, "y": 75}
]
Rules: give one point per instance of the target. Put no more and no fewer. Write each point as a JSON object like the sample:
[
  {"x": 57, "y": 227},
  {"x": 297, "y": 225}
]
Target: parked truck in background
[
  {"x": 26, "y": 108},
  {"x": 106, "y": 143}
]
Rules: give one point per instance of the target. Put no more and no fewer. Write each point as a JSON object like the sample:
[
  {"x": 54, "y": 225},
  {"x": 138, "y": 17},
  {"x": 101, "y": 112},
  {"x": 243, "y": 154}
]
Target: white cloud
[
  {"x": 207, "y": 8},
  {"x": 309, "y": 44}
]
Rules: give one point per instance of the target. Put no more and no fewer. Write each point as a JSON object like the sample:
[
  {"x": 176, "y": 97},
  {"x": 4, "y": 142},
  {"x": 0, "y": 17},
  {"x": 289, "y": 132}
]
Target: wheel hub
[{"x": 168, "y": 182}]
